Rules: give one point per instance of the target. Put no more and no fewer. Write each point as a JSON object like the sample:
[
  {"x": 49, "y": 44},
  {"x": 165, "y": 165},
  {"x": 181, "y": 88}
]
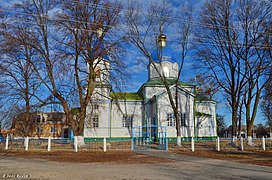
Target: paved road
[
  {"x": 183, "y": 167},
  {"x": 205, "y": 168}
]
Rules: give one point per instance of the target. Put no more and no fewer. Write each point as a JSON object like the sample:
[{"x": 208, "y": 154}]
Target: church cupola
[
  {"x": 169, "y": 69},
  {"x": 165, "y": 62}
]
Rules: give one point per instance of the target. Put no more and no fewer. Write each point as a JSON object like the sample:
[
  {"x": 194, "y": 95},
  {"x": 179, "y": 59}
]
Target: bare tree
[
  {"x": 255, "y": 17},
  {"x": 232, "y": 46},
  {"x": 207, "y": 87},
  {"x": 145, "y": 32},
  {"x": 19, "y": 80},
  {"x": 216, "y": 48},
  {"x": 221, "y": 125},
  {"x": 70, "y": 47},
  {"x": 266, "y": 104},
  {"x": 90, "y": 40}
]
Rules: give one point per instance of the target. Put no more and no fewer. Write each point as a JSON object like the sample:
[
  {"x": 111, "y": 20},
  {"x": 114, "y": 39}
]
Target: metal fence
[
  {"x": 62, "y": 144},
  {"x": 220, "y": 144},
  {"x": 119, "y": 144},
  {"x": 106, "y": 144}
]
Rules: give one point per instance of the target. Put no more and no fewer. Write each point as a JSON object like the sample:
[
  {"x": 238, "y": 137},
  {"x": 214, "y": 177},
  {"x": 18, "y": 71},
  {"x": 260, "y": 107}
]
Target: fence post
[
  {"x": 242, "y": 143},
  {"x": 193, "y": 144},
  {"x": 263, "y": 143},
  {"x": 49, "y": 144},
  {"x": 104, "y": 144},
  {"x": 75, "y": 143},
  {"x": 218, "y": 143},
  {"x": 7, "y": 142},
  {"x": 166, "y": 144},
  {"x": 132, "y": 144},
  {"x": 26, "y": 143}
]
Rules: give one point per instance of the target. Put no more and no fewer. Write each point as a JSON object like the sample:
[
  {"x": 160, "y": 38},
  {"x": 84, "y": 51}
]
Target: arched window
[{"x": 166, "y": 71}]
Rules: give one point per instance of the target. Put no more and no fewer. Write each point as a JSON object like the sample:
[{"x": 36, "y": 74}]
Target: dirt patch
[
  {"x": 88, "y": 157},
  {"x": 263, "y": 158}
]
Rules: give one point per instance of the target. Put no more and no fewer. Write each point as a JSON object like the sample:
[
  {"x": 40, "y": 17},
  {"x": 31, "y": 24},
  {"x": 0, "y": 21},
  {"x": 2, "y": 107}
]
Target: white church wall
[
  {"x": 150, "y": 91},
  {"x": 100, "y": 110},
  {"x": 119, "y": 109},
  {"x": 169, "y": 69},
  {"x": 101, "y": 93},
  {"x": 186, "y": 106},
  {"x": 206, "y": 124},
  {"x": 149, "y": 111}
]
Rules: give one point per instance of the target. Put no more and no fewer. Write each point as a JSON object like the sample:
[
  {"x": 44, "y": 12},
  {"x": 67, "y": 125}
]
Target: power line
[
  {"x": 141, "y": 12},
  {"x": 92, "y": 23},
  {"x": 194, "y": 41},
  {"x": 174, "y": 18}
]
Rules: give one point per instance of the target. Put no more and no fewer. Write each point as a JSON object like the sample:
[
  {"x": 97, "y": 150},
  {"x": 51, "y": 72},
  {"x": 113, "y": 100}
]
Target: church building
[{"x": 119, "y": 114}]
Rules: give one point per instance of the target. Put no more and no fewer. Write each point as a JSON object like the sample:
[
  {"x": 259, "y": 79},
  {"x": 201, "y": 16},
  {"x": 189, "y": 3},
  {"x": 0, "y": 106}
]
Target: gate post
[
  {"x": 242, "y": 143},
  {"x": 166, "y": 143},
  {"x": 104, "y": 144},
  {"x": 218, "y": 143},
  {"x": 7, "y": 142},
  {"x": 26, "y": 143},
  {"x": 132, "y": 140},
  {"x": 263, "y": 143},
  {"x": 193, "y": 144},
  {"x": 49, "y": 144},
  {"x": 75, "y": 143}
]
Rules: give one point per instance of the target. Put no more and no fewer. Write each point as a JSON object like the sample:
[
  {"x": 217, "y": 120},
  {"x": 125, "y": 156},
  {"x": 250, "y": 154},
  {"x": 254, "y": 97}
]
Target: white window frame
[
  {"x": 171, "y": 120},
  {"x": 95, "y": 121},
  {"x": 183, "y": 120},
  {"x": 53, "y": 130},
  {"x": 127, "y": 121}
]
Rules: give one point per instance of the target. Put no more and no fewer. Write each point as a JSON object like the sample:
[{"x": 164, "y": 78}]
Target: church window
[
  {"x": 166, "y": 71},
  {"x": 95, "y": 121},
  {"x": 127, "y": 121},
  {"x": 171, "y": 121},
  {"x": 96, "y": 106},
  {"x": 183, "y": 119}
]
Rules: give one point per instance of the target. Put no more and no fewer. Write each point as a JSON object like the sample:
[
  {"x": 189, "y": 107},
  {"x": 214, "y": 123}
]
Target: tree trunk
[
  {"x": 234, "y": 126},
  {"x": 79, "y": 135},
  {"x": 78, "y": 129},
  {"x": 249, "y": 133},
  {"x": 176, "y": 111}
]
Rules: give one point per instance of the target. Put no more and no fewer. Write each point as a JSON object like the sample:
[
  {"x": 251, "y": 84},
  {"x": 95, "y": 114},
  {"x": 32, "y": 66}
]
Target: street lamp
[{"x": 162, "y": 40}]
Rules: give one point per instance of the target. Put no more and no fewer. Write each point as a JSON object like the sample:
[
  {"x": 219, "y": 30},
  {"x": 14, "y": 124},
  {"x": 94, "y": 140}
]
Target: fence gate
[{"x": 146, "y": 138}]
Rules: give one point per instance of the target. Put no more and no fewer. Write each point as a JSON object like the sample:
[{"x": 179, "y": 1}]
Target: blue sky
[{"x": 139, "y": 70}]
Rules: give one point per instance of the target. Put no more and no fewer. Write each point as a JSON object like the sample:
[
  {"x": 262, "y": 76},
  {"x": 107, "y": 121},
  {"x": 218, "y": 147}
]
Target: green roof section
[
  {"x": 126, "y": 96},
  {"x": 159, "y": 82},
  {"x": 202, "y": 114},
  {"x": 202, "y": 97}
]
